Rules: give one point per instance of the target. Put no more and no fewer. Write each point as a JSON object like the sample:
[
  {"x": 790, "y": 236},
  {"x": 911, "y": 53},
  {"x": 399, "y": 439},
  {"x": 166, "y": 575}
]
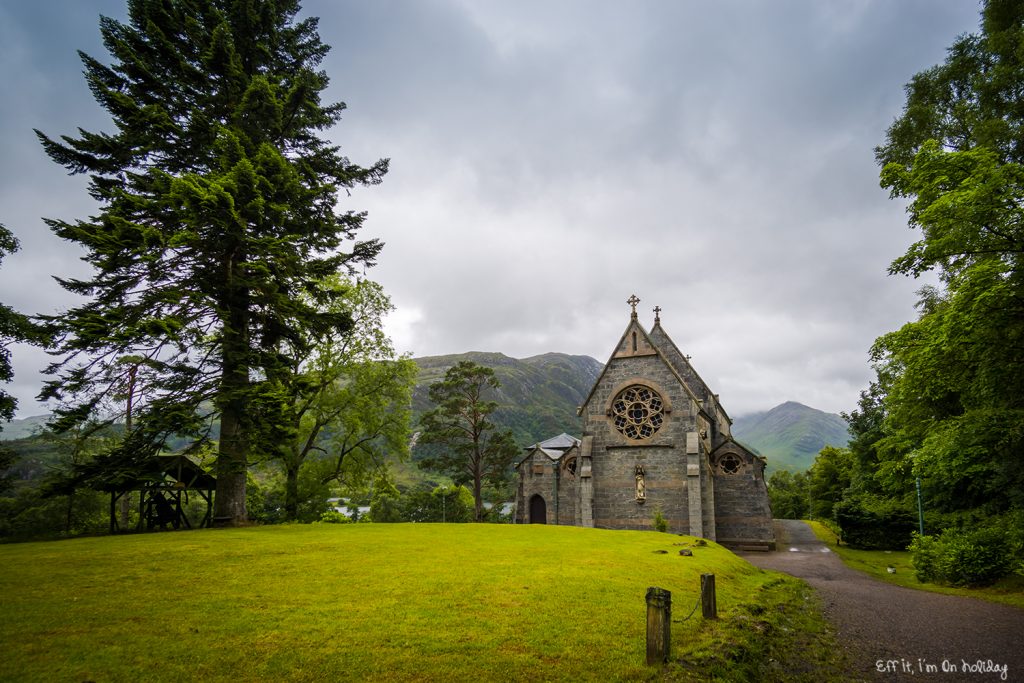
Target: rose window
[
  {"x": 730, "y": 464},
  {"x": 638, "y": 412}
]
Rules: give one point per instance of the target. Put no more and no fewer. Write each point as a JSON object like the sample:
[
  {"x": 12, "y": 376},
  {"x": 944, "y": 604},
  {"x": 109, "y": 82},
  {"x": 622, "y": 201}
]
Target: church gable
[
  {"x": 636, "y": 359},
  {"x": 634, "y": 342}
]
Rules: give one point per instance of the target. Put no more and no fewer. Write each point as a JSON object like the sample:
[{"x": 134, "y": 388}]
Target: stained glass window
[{"x": 638, "y": 412}]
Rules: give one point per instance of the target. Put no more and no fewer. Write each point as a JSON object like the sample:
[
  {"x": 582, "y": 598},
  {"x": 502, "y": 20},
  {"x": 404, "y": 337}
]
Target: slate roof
[
  {"x": 562, "y": 442},
  {"x": 554, "y": 448},
  {"x": 553, "y": 454}
]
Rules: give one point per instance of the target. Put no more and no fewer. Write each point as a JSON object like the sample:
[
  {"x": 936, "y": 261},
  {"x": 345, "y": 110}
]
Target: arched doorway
[{"x": 538, "y": 510}]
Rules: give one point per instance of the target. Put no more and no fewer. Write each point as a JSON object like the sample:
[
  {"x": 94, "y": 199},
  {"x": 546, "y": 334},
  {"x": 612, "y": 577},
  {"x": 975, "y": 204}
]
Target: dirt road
[{"x": 899, "y": 634}]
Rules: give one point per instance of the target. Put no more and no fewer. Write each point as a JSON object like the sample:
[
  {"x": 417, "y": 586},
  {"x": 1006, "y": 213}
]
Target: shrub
[
  {"x": 963, "y": 557},
  {"x": 660, "y": 523},
  {"x": 924, "y": 552},
  {"x": 335, "y": 517}
]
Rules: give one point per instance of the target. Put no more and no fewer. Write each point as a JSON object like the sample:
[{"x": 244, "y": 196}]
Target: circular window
[
  {"x": 638, "y": 412},
  {"x": 730, "y": 464}
]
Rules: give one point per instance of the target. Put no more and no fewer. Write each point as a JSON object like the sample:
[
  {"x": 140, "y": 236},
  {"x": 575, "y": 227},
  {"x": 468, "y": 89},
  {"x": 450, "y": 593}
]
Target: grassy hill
[
  {"x": 791, "y": 435},
  {"x": 395, "y": 602},
  {"x": 538, "y": 395}
]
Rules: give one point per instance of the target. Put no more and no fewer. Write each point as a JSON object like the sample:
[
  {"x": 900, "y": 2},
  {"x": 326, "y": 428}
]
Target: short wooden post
[
  {"x": 659, "y": 625},
  {"x": 708, "y": 604}
]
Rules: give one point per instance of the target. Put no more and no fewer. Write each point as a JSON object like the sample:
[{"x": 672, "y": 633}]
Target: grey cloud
[{"x": 550, "y": 159}]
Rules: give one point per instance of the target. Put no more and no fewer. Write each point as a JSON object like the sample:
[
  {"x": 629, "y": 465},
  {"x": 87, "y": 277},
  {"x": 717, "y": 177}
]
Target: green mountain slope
[
  {"x": 790, "y": 435},
  {"x": 538, "y": 397},
  {"x": 22, "y": 428}
]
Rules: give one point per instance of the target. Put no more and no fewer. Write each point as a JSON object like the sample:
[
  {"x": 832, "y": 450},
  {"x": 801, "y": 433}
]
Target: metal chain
[{"x": 695, "y": 606}]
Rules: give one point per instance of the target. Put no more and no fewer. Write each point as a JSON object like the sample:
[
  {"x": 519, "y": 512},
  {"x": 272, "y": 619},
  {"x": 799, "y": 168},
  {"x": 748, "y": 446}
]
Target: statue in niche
[{"x": 641, "y": 485}]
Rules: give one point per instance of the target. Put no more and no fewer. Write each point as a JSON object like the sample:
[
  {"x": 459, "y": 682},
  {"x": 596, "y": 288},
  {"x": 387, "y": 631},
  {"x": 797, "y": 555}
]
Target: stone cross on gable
[
  {"x": 657, "y": 314},
  {"x": 633, "y": 301}
]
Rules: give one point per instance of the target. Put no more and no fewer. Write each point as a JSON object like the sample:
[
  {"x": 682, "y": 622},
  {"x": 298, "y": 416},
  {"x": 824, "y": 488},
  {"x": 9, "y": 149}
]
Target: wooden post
[
  {"x": 708, "y": 604},
  {"x": 659, "y": 625}
]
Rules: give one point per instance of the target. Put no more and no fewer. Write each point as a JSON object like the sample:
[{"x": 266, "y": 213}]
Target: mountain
[
  {"x": 24, "y": 427},
  {"x": 790, "y": 435},
  {"x": 538, "y": 397}
]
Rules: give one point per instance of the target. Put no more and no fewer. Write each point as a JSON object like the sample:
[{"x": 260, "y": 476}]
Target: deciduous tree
[
  {"x": 828, "y": 479},
  {"x": 789, "y": 495},
  {"x": 349, "y": 402},
  {"x": 954, "y": 378},
  {"x": 216, "y": 223}
]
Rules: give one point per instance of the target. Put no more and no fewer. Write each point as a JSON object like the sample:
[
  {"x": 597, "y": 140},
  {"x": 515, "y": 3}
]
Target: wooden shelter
[{"x": 164, "y": 493}]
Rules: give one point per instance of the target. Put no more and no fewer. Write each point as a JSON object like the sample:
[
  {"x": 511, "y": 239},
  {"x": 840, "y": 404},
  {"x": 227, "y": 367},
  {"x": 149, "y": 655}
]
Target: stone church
[{"x": 654, "y": 438}]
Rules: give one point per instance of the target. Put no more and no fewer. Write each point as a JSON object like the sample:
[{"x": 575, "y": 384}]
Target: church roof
[
  {"x": 553, "y": 454},
  {"x": 562, "y": 442},
  {"x": 682, "y": 366}
]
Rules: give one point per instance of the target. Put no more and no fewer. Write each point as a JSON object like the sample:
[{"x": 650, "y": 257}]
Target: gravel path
[{"x": 893, "y": 633}]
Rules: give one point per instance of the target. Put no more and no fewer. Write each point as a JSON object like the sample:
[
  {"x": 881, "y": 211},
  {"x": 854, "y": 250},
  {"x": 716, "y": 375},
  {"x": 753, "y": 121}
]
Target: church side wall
[
  {"x": 568, "y": 492},
  {"x": 537, "y": 476},
  {"x": 663, "y": 456},
  {"x": 742, "y": 512},
  {"x": 560, "y": 491}
]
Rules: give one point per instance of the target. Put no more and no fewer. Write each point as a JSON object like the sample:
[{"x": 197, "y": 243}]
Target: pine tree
[
  {"x": 216, "y": 227},
  {"x": 474, "y": 451}
]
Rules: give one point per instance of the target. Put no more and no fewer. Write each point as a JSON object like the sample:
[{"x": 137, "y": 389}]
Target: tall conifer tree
[{"x": 217, "y": 222}]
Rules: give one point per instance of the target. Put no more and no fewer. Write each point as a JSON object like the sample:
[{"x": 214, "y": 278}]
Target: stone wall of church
[
  {"x": 742, "y": 512},
  {"x": 568, "y": 494},
  {"x": 536, "y": 477},
  {"x": 560, "y": 490},
  {"x": 663, "y": 456}
]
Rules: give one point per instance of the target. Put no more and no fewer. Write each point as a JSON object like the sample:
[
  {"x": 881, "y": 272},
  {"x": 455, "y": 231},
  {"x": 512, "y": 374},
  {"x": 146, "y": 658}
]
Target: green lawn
[
  {"x": 394, "y": 602},
  {"x": 877, "y": 563}
]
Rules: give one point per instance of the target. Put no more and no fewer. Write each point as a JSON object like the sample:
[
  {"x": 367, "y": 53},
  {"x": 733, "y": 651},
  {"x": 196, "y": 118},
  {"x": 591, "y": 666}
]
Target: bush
[
  {"x": 442, "y": 504},
  {"x": 335, "y": 517},
  {"x": 660, "y": 523},
  {"x": 925, "y": 551},
  {"x": 964, "y": 557}
]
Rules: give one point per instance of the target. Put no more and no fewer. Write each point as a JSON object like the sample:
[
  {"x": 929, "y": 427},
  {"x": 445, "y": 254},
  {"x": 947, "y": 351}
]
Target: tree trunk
[
  {"x": 124, "y": 508},
  {"x": 233, "y": 453},
  {"x": 291, "y": 492},
  {"x": 229, "y": 505},
  {"x": 478, "y": 496},
  {"x": 68, "y": 513}
]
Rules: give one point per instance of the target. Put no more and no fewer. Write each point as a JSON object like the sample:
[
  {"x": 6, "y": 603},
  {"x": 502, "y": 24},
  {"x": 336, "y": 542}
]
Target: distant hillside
[
  {"x": 791, "y": 435},
  {"x": 538, "y": 396},
  {"x": 23, "y": 428}
]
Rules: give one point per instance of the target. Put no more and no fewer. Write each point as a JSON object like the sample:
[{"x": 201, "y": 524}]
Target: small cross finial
[
  {"x": 657, "y": 314},
  {"x": 633, "y": 301}
]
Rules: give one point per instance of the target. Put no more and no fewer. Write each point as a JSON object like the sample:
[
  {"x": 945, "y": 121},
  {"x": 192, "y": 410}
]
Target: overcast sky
[{"x": 549, "y": 159}]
